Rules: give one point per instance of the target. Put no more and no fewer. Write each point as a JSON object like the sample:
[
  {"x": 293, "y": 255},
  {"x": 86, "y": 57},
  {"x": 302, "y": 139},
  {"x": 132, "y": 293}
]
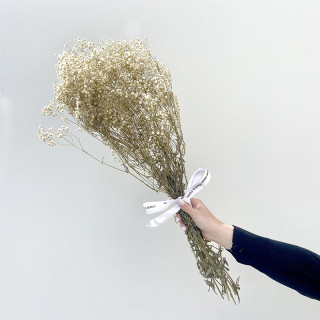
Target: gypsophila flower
[
  {"x": 46, "y": 136},
  {"x": 47, "y": 110}
]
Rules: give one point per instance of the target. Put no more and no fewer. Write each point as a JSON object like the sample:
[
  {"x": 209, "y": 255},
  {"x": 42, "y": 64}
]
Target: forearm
[{"x": 290, "y": 265}]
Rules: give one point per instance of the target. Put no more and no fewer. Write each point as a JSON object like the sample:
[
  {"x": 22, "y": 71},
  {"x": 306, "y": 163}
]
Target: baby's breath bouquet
[{"x": 121, "y": 95}]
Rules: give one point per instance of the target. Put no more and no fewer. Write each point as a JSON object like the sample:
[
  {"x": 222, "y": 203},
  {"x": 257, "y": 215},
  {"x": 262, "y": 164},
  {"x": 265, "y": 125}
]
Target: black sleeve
[{"x": 291, "y": 265}]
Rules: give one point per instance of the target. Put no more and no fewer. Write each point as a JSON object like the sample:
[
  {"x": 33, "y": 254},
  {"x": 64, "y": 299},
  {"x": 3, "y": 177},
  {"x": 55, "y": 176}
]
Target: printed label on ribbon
[{"x": 197, "y": 182}]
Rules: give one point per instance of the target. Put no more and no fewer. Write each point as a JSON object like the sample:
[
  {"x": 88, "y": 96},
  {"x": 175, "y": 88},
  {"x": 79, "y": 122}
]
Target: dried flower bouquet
[{"x": 121, "y": 95}]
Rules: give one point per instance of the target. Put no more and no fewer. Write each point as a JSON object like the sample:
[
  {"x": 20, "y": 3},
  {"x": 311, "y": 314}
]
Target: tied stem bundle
[{"x": 121, "y": 95}]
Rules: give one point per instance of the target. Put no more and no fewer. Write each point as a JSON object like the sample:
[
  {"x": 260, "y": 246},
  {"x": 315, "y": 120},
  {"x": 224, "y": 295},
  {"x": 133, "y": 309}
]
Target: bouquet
[{"x": 120, "y": 94}]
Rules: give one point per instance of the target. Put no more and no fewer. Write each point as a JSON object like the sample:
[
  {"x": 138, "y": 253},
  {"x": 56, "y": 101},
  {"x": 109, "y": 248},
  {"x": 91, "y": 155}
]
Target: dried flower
[{"x": 121, "y": 95}]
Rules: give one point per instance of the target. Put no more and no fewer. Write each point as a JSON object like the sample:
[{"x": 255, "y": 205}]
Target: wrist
[{"x": 224, "y": 235}]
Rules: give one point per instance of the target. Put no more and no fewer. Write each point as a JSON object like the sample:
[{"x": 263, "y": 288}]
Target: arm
[
  {"x": 288, "y": 264},
  {"x": 293, "y": 266}
]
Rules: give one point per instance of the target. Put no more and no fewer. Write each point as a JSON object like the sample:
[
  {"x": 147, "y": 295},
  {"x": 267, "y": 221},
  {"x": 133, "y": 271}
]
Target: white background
[{"x": 73, "y": 236}]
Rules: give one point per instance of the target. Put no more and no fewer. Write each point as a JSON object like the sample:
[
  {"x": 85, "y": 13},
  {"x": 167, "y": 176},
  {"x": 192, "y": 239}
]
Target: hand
[{"x": 212, "y": 229}]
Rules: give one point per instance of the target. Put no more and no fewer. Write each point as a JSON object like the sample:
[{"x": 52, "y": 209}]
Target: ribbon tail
[
  {"x": 155, "y": 207},
  {"x": 164, "y": 217}
]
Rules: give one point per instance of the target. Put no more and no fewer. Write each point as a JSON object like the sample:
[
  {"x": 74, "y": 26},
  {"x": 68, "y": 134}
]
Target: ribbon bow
[{"x": 197, "y": 182}]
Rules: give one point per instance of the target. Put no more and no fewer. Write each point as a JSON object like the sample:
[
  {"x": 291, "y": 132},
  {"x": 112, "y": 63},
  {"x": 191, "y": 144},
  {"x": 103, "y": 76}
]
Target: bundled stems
[{"x": 211, "y": 264}]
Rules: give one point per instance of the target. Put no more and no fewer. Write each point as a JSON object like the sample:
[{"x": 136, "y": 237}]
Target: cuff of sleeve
[
  {"x": 236, "y": 247},
  {"x": 245, "y": 245}
]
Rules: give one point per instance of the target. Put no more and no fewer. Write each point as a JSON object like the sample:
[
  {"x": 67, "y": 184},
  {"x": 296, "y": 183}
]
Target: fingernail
[
  {"x": 183, "y": 228},
  {"x": 177, "y": 219},
  {"x": 181, "y": 202}
]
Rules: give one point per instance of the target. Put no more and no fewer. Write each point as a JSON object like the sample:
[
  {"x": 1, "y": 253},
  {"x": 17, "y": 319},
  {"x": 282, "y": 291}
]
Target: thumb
[{"x": 186, "y": 207}]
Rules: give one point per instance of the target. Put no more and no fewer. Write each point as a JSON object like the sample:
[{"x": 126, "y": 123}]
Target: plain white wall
[{"x": 73, "y": 240}]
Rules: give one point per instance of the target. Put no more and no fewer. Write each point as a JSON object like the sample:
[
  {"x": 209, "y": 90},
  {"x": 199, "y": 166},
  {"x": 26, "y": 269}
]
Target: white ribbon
[{"x": 197, "y": 182}]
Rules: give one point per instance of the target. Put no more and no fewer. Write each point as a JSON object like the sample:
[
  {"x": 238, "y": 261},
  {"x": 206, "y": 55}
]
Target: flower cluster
[
  {"x": 46, "y": 136},
  {"x": 49, "y": 135}
]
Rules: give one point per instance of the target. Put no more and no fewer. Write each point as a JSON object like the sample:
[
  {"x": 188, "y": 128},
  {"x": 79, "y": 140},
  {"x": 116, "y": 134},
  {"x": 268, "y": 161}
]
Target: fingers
[
  {"x": 190, "y": 209},
  {"x": 196, "y": 203},
  {"x": 178, "y": 220}
]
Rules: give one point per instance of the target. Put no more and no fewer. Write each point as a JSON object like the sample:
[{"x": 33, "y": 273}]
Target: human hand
[{"x": 212, "y": 229}]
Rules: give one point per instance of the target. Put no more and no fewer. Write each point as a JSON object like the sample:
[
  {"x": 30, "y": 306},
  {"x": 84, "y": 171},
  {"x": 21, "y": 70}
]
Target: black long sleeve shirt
[{"x": 293, "y": 266}]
